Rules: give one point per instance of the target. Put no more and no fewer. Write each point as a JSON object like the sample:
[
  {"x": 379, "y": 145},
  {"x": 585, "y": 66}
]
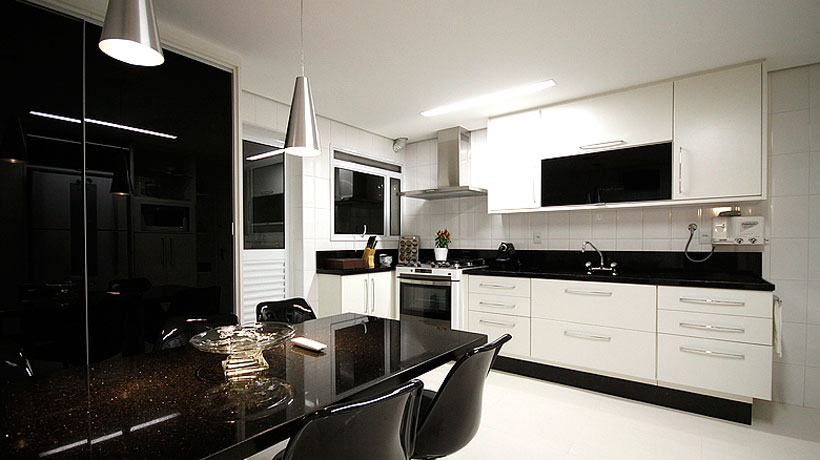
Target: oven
[{"x": 430, "y": 296}]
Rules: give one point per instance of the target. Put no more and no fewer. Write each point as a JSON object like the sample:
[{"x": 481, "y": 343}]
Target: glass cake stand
[{"x": 244, "y": 347}]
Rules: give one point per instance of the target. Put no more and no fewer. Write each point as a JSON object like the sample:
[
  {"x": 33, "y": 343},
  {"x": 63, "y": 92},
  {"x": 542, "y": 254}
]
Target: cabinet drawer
[
  {"x": 711, "y": 326},
  {"x": 615, "y": 351},
  {"x": 723, "y": 301},
  {"x": 627, "y": 306},
  {"x": 715, "y": 365},
  {"x": 496, "y": 325},
  {"x": 506, "y": 305},
  {"x": 500, "y": 285}
]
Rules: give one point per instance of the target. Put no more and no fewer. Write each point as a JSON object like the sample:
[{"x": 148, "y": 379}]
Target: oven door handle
[{"x": 419, "y": 282}]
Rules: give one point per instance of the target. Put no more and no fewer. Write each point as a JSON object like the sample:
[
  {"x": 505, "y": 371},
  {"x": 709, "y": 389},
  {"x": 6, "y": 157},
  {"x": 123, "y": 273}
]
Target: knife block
[{"x": 370, "y": 256}]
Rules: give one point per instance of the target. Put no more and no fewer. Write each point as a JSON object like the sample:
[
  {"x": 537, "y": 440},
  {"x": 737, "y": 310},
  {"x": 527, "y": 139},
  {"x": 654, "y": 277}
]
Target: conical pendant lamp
[
  {"x": 302, "y": 137},
  {"x": 130, "y": 33}
]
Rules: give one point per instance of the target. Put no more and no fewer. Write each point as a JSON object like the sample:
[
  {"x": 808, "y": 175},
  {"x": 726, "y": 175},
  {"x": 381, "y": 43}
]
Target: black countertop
[
  {"x": 734, "y": 280},
  {"x": 163, "y": 405},
  {"x": 352, "y": 271}
]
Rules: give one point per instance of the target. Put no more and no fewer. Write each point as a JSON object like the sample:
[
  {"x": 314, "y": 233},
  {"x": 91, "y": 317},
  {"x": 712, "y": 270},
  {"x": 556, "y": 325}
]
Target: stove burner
[{"x": 456, "y": 264}]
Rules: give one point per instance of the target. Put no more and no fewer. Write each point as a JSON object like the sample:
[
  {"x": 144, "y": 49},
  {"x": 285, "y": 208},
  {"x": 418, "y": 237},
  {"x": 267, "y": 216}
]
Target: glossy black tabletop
[{"x": 167, "y": 405}]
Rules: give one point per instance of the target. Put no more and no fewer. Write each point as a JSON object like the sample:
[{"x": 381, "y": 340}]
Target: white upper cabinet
[
  {"x": 718, "y": 135},
  {"x": 513, "y": 157},
  {"x": 628, "y": 118}
]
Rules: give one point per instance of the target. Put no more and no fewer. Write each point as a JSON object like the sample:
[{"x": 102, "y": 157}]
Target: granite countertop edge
[{"x": 352, "y": 271}]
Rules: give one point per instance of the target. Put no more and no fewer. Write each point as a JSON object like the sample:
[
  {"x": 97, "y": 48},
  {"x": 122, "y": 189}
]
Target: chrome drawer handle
[
  {"x": 601, "y": 145},
  {"x": 712, "y": 327},
  {"x": 716, "y": 354},
  {"x": 496, "y": 323},
  {"x": 722, "y": 303},
  {"x": 583, "y": 335},
  {"x": 497, "y": 304},
  {"x": 497, "y": 286},
  {"x": 584, "y": 292}
]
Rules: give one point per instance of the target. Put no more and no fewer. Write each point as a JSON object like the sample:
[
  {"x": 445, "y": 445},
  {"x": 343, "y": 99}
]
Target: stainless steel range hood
[{"x": 453, "y": 168}]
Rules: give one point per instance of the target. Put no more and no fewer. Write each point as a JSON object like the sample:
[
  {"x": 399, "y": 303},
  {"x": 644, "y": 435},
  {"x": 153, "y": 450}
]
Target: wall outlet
[{"x": 536, "y": 238}]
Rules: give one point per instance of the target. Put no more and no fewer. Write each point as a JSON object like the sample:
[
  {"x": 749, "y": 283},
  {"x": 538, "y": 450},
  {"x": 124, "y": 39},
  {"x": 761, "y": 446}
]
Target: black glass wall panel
[
  {"x": 116, "y": 205},
  {"x": 42, "y": 284}
]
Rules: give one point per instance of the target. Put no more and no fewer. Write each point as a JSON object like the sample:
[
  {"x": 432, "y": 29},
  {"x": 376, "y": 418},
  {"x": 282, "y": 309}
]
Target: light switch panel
[{"x": 536, "y": 238}]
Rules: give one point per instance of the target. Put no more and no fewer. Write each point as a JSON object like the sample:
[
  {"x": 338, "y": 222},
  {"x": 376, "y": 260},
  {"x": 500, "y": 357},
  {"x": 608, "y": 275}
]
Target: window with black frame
[{"x": 366, "y": 198}]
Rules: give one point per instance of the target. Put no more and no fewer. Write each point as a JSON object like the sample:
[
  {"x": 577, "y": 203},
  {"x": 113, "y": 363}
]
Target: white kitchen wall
[
  {"x": 313, "y": 195},
  {"x": 793, "y": 254},
  {"x": 791, "y": 259}
]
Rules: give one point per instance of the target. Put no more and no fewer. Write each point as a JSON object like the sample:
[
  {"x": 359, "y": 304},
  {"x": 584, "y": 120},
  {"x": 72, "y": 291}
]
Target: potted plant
[{"x": 442, "y": 242}]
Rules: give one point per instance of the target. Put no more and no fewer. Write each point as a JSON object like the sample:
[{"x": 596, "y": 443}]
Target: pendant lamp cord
[{"x": 302, "y": 33}]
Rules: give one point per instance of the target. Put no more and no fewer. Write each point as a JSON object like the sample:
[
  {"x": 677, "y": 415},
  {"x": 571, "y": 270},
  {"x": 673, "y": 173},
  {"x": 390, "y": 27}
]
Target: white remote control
[{"x": 308, "y": 344}]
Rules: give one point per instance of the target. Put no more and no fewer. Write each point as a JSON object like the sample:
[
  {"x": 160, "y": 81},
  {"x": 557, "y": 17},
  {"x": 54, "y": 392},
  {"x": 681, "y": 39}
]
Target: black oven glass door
[{"x": 425, "y": 298}]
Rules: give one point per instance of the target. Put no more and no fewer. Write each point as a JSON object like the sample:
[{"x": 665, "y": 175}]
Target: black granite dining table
[{"x": 171, "y": 404}]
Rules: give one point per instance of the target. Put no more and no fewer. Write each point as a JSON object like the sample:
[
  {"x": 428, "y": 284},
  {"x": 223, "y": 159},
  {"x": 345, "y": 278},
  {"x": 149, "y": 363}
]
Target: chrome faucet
[{"x": 613, "y": 267}]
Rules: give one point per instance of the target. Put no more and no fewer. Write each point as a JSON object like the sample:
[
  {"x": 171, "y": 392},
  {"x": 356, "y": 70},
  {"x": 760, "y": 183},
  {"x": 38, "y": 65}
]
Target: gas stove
[{"x": 456, "y": 264}]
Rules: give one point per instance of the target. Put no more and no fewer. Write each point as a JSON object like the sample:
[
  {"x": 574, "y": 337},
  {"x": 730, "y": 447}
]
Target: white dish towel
[{"x": 778, "y": 326}]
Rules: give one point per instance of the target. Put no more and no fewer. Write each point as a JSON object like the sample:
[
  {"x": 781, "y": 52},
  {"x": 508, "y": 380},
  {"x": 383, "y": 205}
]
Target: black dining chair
[
  {"x": 292, "y": 311},
  {"x": 449, "y": 418},
  {"x": 177, "y": 331},
  {"x": 382, "y": 427}
]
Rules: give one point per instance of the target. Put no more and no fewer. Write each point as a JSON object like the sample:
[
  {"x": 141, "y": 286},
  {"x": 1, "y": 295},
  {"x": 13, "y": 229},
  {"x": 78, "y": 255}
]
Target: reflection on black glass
[{"x": 359, "y": 352}]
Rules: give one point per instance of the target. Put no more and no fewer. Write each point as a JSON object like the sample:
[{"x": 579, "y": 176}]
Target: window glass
[
  {"x": 358, "y": 202},
  {"x": 264, "y": 199}
]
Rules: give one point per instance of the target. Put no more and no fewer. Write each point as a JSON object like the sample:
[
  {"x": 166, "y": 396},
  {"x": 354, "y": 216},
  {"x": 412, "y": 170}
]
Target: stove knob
[{"x": 739, "y": 240}]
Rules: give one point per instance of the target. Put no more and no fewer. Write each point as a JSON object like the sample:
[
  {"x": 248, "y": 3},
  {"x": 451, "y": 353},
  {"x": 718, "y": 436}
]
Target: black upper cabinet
[{"x": 632, "y": 174}]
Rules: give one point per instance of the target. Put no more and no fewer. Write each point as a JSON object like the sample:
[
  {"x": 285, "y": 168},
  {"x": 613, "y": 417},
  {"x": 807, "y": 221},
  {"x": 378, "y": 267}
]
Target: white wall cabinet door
[
  {"x": 514, "y": 143},
  {"x": 381, "y": 295},
  {"x": 635, "y": 117},
  {"x": 718, "y": 144},
  {"x": 355, "y": 293}
]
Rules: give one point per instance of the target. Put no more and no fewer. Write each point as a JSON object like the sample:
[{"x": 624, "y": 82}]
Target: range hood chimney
[{"x": 453, "y": 168}]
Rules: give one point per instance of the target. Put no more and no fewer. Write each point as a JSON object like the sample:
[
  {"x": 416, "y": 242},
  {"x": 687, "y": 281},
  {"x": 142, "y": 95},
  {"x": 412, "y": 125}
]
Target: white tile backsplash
[
  {"x": 814, "y": 129},
  {"x": 604, "y": 224},
  {"x": 558, "y": 223},
  {"x": 814, "y": 259},
  {"x": 813, "y": 345},
  {"x": 790, "y": 174},
  {"x": 580, "y": 225},
  {"x": 657, "y": 223},
  {"x": 814, "y": 86},
  {"x": 790, "y": 90},
  {"x": 789, "y": 216},
  {"x": 794, "y": 344},
  {"x": 789, "y": 132},
  {"x": 789, "y": 258},
  {"x": 812, "y": 387},
  {"x": 629, "y": 224},
  {"x": 813, "y": 302},
  {"x": 787, "y": 383},
  {"x": 794, "y": 296}
]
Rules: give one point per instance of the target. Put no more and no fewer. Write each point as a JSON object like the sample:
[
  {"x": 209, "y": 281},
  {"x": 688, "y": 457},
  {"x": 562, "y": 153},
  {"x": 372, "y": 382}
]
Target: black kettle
[{"x": 505, "y": 256}]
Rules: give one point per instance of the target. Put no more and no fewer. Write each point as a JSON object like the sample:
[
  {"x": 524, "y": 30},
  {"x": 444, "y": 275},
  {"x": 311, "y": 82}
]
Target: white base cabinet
[
  {"x": 365, "y": 294},
  {"x": 621, "y": 352},
  {"x": 715, "y": 365},
  {"x": 711, "y": 341}
]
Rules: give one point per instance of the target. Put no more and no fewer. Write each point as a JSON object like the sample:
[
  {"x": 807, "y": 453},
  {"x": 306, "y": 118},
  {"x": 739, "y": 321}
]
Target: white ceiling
[{"x": 376, "y": 64}]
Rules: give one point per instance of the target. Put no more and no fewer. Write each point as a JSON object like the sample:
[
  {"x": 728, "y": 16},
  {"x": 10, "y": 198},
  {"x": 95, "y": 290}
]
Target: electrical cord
[{"x": 692, "y": 228}]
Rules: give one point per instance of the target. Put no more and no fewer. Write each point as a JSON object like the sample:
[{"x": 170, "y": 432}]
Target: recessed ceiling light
[{"x": 488, "y": 98}]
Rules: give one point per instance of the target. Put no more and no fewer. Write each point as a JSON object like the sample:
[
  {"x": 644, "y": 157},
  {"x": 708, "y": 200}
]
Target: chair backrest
[
  {"x": 382, "y": 427},
  {"x": 292, "y": 311},
  {"x": 454, "y": 415}
]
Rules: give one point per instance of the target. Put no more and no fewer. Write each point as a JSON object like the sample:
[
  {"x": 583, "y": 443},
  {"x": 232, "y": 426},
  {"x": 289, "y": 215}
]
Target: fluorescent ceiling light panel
[
  {"x": 489, "y": 98},
  {"x": 104, "y": 123}
]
